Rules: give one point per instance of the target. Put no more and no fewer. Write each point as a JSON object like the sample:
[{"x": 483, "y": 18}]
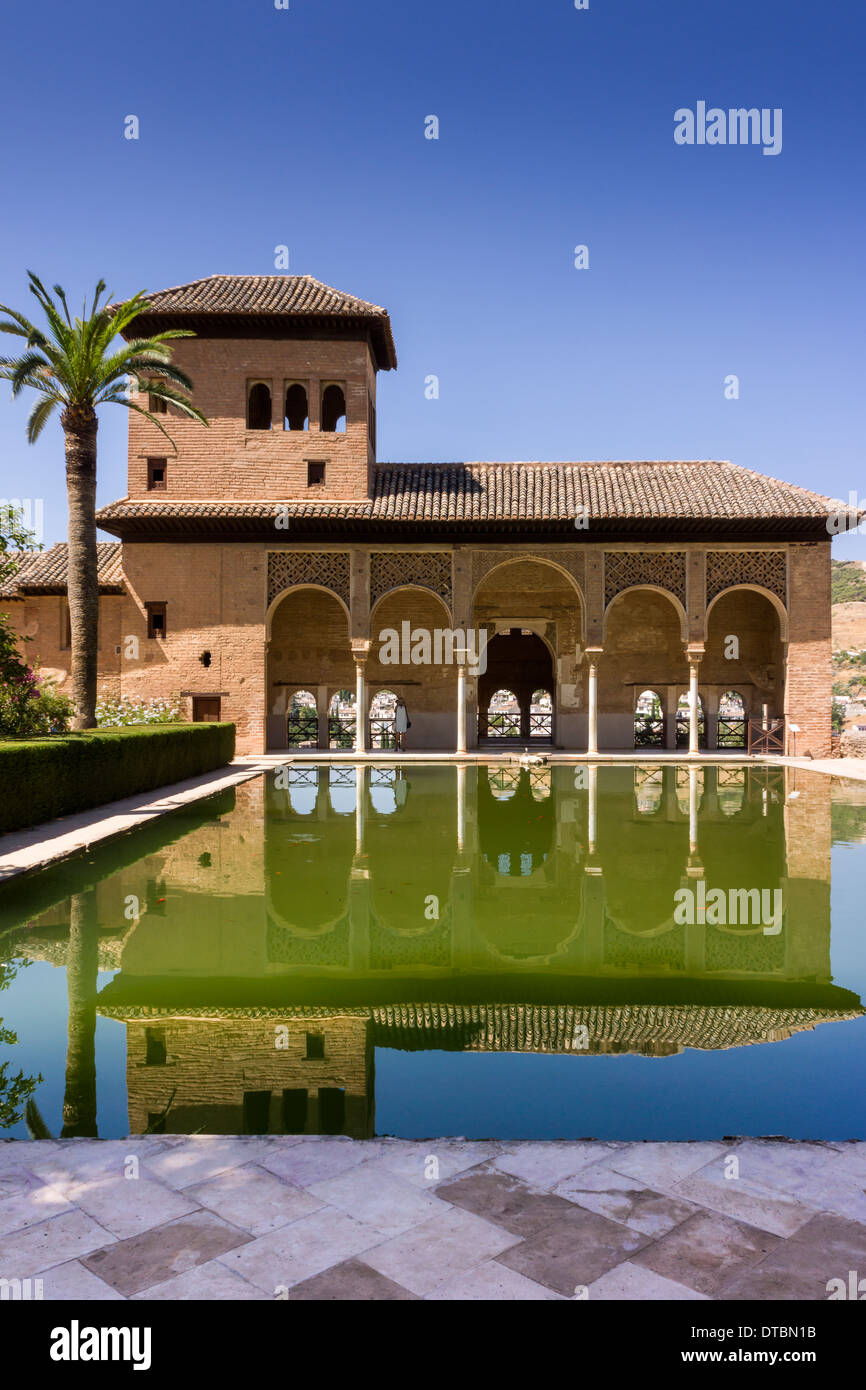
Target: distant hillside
[
  {"x": 849, "y": 628},
  {"x": 847, "y": 581}
]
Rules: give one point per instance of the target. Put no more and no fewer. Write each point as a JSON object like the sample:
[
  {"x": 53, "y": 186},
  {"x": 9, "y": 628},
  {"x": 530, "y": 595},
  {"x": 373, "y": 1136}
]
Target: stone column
[
  {"x": 592, "y": 655},
  {"x": 592, "y": 809},
  {"x": 461, "y": 808},
  {"x": 360, "y": 709},
  {"x": 693, "y": 656},
  {"x": 461, "y": 707}
]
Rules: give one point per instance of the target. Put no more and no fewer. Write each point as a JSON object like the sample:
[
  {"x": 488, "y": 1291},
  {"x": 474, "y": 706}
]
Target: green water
[{"x": 628, "y": 951}]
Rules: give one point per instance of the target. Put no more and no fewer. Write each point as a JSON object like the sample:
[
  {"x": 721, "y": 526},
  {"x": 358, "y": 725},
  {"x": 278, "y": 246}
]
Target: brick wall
[{"x": 226, "y": 460}]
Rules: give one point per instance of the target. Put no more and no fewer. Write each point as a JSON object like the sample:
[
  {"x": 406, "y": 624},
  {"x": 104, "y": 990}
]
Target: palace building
[{"x": 260, "y": 562}]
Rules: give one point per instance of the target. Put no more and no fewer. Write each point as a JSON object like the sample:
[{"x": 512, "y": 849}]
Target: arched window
[
  {"x": 503, "y": 715},
  {"x": 649, "y": 721},
  {"x": 333, "y": 410},
  {"x": 732, "y": 721},
  {"x": 303, "y": 720},
  {"x": 259, "y": 406},
  {"x": 341, "y": 720},
  {"x": 541, "y": 715},
  {"x": 683, "y": 723},
  {"x": 383, "y": 710},
  {"x": 296, "y": 414}
]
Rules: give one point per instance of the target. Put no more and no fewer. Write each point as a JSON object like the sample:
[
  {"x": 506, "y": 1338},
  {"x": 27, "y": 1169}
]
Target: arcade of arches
[{"x": 577, "y": 647}]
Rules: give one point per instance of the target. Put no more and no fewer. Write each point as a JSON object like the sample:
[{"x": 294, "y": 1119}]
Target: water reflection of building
[{"x": 455, "y": 908}]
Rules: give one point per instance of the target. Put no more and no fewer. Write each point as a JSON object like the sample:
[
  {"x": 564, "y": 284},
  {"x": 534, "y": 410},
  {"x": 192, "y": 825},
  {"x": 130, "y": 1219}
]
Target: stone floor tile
[
  {"x": 296, "y": 1252},
  {"x": 253, "y": 1199},
  {"x": 211, "y": 1281},
  {"x": 441, "y": 1249},
  {"x": 25, "y": 1200},
  {"x": 544, "y": 1165},
  {"x": 492, "y": 1281},
  {"x": 634, "y": 1282},
  {"x": 72, "y": 1282},
  {"x": 827, "y": 1248},
  {"x": 600, "y": 1189},
  {"x": 164, "y": 1251},
  {"x": 203, "y": 1157},
  {"x": 353, "y": 1282},
  {"x": 68, "y": 1236},
  {"x": 128, "y": 1206},
  {"x": 768, "y": 1209},
  {"x": 706, "y": 1251},
  {"x": 21, "y": 1153},
  {"x": 376, "y": 1197},
  {"x": 815, "y": 1174},
  {"x": 662, "y": 1165},
  {"x": 505, "y": 1201},
  {"x": 573, "y": 1252},
  {"x": 328, "y": 1158},
  {"x": 434, "y": 1161}
]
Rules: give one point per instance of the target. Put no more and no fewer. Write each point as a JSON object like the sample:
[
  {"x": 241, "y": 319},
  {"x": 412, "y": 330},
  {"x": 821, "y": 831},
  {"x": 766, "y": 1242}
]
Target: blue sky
[{"x": 305, "y": 127}]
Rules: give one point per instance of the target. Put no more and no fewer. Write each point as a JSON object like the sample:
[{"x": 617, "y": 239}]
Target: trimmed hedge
[{"x": 41, "y": 778}]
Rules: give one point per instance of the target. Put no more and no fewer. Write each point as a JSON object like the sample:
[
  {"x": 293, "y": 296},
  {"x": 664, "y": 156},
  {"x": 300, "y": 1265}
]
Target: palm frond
[{"x": 39, "y": 417}]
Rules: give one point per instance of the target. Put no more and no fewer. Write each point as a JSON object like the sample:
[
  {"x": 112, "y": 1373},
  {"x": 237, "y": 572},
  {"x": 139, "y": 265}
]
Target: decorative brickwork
[
  {"x": 625, "y": 568},
  {"x": 725, "y": 568},
  {"x": 392, "y": 569},
  {"x": 327, "y": 568}
]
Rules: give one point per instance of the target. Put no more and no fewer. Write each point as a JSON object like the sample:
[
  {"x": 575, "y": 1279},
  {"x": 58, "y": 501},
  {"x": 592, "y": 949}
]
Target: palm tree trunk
[
  {"x": 79, "y": 426},
  {"x": 82, "y": 966}
]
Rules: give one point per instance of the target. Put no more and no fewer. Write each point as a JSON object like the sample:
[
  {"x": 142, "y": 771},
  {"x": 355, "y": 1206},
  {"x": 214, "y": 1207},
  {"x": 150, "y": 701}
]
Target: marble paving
[{"x": 306, "y": 1217}]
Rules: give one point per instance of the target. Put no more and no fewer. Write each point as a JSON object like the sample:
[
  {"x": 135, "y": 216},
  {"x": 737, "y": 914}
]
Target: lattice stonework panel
[
  {"x": 728, "y": 567},
  {"x": 329, "y": 568},
  {"x": 393, "y": 568},
  {"x": 623, "y": 568}
]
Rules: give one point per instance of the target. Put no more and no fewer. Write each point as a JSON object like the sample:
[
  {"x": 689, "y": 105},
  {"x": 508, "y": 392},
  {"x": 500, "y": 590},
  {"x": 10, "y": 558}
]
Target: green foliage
[
  {"x": 14, "y": 537},
  {"x": 15, "y": 1088},
  {"x": 847, "y": 582},
  {"x": 72, "y": 364},
  {"x": 45, "y": 778},
  {"x": 114, "y": 713},
  {"x": 28, "y": 705}
]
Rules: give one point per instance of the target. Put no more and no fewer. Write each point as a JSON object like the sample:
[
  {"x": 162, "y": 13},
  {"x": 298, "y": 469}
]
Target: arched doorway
[
  {"x": 732, "y": 721},
  {"x": 341, "y": 719},
  {"x": 303, "y": 720},
  {"x": 383, "y": 711},
  {"x": 519, "y": 665},
  {"x": 649, "y": 720}
]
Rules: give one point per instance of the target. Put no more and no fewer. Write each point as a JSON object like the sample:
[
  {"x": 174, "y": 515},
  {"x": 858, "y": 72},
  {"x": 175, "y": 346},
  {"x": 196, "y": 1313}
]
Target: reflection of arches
[
  {"x": 675, "y": 603},
  {"x": 516, "y": 833},
  {"x": 520, "y": 663},
  {"x": 649, "y": 720}
]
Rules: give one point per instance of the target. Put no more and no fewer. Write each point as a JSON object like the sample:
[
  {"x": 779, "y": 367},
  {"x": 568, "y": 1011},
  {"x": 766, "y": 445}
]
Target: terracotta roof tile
[
  {"x": 272, "y": 296},
  {"x": 44, "y": 571},
  {"x": 532, "y": 492}
]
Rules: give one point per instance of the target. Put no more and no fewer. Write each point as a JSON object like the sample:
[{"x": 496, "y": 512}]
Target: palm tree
[{"x": 71, "y": 364}]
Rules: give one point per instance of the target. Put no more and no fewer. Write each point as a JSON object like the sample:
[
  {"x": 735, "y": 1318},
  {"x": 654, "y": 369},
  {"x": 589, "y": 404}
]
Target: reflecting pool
[{"x": 628, "y": 951}]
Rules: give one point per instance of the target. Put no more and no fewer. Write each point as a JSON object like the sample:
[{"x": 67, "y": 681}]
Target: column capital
[
  {"x": 694, "y": 653},
  {"x": 361, "y": 649}
]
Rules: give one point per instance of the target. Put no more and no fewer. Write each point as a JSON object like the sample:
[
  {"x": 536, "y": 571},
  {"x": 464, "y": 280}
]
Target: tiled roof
[
  {"x": 45, "y": 571},
  {"x": 463, "y": 494},
  {"x": 271, "y": 296}
]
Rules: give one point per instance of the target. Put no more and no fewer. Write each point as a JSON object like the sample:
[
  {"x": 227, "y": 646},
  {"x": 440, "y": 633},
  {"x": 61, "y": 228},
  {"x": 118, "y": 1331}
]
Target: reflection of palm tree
[{"x": 82, "y": 963}]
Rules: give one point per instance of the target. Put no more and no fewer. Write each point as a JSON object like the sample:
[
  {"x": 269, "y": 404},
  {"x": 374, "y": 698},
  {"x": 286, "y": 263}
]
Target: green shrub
[{"x": 48, "y": 777}]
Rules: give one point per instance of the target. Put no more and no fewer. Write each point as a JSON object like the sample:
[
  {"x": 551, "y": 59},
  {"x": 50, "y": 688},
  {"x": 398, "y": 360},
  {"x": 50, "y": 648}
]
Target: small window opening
[
  {"x": 156, "y": 475},
  {"x": 156, "y": 619},
  {"x": 259, "y": 406},
  {"x": 315, "y": 1046},
  {"x": 334, "y": 410},
  {"x": 156, "y": 405},
  {"x": 155, "y": 1050},
  {"x": 296, "y": 412},
  {"x": 315, "y": 474}
]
